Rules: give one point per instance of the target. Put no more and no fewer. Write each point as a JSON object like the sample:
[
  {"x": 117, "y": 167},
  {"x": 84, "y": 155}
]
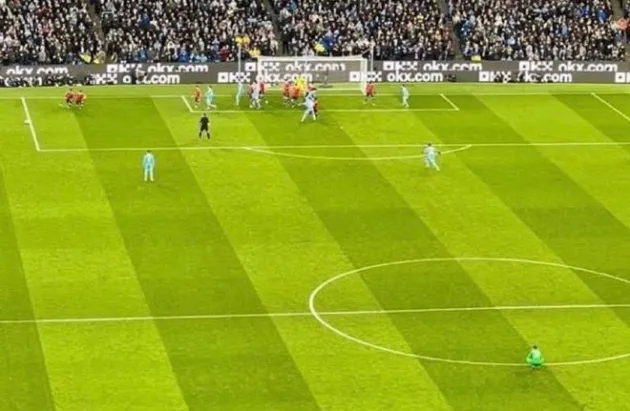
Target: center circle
[{"x": 319, "y": 316}]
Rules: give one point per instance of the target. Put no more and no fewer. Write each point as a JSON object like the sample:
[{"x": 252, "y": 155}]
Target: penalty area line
[
  {"x": 309, "y": 314},
  {"x": 610, "y": 106},
  {"x": 31, "y": 127},
  {"x": 185, "y": 100},
  {"x": 459, "y": 146},
  {"x": 450, "y": 102}
]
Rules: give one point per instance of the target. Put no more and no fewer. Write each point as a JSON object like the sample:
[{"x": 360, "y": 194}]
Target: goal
[{"x": 344, "y": 72}]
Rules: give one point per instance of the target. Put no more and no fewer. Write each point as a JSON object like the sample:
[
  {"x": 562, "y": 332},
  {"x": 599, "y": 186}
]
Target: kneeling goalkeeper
[{"x": 535, "y": 358}]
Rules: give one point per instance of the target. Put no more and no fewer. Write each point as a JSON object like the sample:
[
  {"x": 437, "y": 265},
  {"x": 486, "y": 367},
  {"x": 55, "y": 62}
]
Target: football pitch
[{"x": 289, "y": 266}]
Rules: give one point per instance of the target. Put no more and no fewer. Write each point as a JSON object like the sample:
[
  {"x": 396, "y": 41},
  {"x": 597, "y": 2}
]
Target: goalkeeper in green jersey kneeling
[{"x": 535, "y": 358}]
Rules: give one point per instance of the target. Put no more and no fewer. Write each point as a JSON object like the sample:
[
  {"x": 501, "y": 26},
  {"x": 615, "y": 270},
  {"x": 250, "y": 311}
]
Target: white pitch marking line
[
  {"x": 358, "y": 94},
  {"x": 334, "y": 110},
  {"x": 388, "y": 158},
  {"x": 455, "y": 150},
  {"x": 450, "y": 102},
  {"x": 31, "y": 127},
  {"x": 462, "y": 146},
  {"x": 610, "y": 106},
  {"x": 293, "y": 155},
  {"x": 309, "y": 314},
  {"x": 316, "y": 314},
  {"x": 185, "y": 100}
]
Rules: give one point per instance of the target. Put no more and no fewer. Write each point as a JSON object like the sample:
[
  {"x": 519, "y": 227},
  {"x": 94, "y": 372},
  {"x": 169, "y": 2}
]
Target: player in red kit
[
  {"x": 261, "y": 87},
  {"x": 79, "y": 99},
  {"x": 316, "y": 107},
  {"x": 250, "y": 92},
  {"x": 370, "y": 91},
  {"x": 286, "y": 92},
  {"x": 197, "y": 96},
  {"x": 295, "y": 94},
  {"x": 69, "y": 98}
]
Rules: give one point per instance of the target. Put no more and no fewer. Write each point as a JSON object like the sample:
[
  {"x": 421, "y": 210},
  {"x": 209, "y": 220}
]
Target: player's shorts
[
  {"x": 209, "y": 101},
  {"x": 80, "y": 102},
  {"x": 204, "y": 128},
  {"x": 197, "y": 99},
  {"x": 369, "y": 94},
  {"x": 69, "y": 101}
]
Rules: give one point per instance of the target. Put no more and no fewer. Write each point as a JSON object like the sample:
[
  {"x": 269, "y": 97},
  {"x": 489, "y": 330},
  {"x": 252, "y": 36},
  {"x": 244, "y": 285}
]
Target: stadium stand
[
  {"x": 186, "y": 31},
  {"x": 63, "y": 31},
  {"x": 398, "y": 29},
  {"x": 537, "y": 30},
  {"x": 46, "y": 31}
]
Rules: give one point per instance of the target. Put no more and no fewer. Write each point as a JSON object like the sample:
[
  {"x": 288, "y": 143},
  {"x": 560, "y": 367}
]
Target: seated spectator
[
  {"x": 537, "y": 30},
  {"x": 395, "y": 29},
  {"x": 46, "y": 32},
  {"x": 185, "y": 31}
]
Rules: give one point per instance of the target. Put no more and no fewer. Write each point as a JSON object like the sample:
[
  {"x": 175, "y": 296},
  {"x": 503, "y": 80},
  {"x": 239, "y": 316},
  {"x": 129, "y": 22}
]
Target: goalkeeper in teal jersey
[
  {"x": 535, "y": 358},
  {"x": 210, "y": 98},
  {"x": 404, "y": 95},
  {"x": 240, "y": 92}
]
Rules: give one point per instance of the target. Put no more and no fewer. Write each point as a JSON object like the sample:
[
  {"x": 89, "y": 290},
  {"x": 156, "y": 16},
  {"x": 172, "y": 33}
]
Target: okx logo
[
  {"x": 358, "y": 76},
  {"x": 229, "y": 77}
]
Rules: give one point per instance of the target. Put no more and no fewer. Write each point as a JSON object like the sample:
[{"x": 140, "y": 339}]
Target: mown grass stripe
[
  {"x": 186, "y": 265},
  {"x": 73, "y": 253},
  {"x": 588, "y": 169},
  {"x": 287, "y": 252},
  {"x": 555, "y": 208},
  {"x": 372, "y": 225},
  {"x": 24, "y": 383},
  {"x": 471, "y": 221}
]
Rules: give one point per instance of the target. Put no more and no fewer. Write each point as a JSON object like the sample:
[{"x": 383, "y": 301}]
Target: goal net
[{"x": 345, "y": 72}]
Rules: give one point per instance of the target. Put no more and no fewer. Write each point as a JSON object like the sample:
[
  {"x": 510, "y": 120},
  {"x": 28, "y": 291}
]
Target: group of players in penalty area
[{"x": 294, "y": 94}]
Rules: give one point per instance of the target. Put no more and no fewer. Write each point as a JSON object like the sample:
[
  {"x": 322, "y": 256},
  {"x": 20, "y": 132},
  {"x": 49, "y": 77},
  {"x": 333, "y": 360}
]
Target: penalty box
[{"x": 35, "y": 130}]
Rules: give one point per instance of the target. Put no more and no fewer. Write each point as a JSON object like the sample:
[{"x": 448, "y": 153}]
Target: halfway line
[{"x": 309, "y": 314}]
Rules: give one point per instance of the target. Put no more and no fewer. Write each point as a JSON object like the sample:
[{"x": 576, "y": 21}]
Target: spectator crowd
[
  {"x": 46, "y": 31},
  {"x": 87, "y": 31},
  {"x": 537, "y": 29},
  {"x": 186, "y": 30},
  {"x": 393, "y": 29}
]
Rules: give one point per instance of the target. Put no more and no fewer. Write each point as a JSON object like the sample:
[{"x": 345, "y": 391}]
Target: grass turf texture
[{"x": 231, "y": 232}]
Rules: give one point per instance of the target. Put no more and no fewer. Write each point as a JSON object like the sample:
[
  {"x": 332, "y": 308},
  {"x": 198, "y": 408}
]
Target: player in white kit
[
  {"x": 255, "y": 102},
  {"x": 309, "y": 103},
  {"x": 430, "y": 157}
]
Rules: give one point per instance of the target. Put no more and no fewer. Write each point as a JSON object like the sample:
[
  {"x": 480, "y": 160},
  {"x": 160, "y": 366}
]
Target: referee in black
[{"x": 204, "y": 126}]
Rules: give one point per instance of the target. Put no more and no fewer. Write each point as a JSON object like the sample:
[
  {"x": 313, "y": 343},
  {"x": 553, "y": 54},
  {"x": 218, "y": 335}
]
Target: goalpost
[{"x": 346, "y": 72}]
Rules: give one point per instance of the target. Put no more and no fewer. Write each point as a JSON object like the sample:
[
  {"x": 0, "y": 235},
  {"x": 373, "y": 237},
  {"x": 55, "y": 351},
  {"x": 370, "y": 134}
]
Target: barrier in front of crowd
[{"x": 332, "y": 72}]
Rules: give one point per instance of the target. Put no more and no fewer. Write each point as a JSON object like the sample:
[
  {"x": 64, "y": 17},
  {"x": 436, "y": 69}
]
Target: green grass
[{"x": 236, "y": 234}]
